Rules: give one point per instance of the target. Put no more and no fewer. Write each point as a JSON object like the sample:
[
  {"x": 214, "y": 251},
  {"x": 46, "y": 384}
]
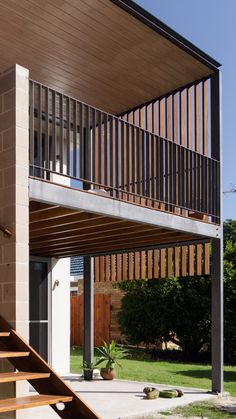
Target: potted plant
[
  {"x": 111, "y": 354},
  {"x": 88, "y": 368}
]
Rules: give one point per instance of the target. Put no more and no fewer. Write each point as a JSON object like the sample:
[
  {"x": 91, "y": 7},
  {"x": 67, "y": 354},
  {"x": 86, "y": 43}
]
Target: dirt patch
[{"x": 228, "y": 404}]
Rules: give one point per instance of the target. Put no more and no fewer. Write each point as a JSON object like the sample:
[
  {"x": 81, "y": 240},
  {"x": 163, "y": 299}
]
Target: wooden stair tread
[
  {"x": 8, "y": 377},
  {"x": 4, "y": 334},
  {"x": 13, "y": 354},
  {"x": 8, "y": 405}
]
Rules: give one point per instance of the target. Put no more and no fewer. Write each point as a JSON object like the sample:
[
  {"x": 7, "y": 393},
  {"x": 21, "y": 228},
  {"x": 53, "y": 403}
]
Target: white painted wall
[
  {"x": 60, "y": 276},
  {"x": 60, "y": 342}
]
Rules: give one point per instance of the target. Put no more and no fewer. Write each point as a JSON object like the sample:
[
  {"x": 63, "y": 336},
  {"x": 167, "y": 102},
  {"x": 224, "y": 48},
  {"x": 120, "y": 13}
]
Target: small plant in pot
[
  {"x": 111, "y": 354},
  {"x": 88, "y": 368}
]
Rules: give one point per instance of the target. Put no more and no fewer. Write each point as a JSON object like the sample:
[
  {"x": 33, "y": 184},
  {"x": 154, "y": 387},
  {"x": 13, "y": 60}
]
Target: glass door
[{"x": 39, "y": 308}]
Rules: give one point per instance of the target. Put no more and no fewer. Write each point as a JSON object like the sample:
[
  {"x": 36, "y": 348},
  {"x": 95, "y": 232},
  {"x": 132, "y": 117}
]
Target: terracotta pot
[{"x": 108, "y": 374}]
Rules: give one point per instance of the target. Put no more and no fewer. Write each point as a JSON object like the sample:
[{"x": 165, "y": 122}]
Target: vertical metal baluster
[
  {"x": 203, "y": 185},
  {"x": 191, "y": 180},
  {"x": 158, "y": 168},
  {"x": 143, "y": 159},
  {"x": 133, "y": 160},
  {"x": 137, "y": 146},
  {"x": 201, "y": 169},
  {"x": 199, "y": 183},
  {"x": 161, "y": 168},
  {"x": 196, "y": 182},
  {"x": 111, "y": 156},
  {"x": 32, "y": 145},
  {"x": 187, "y": 175},
  {"x": 40, "y": 139},
  {"x": 54, "y": 152},
  {"x": 166, "y": 178},
  {"x": 172, "y": 178},
  {"x": 61, "y": 144},
  {"x": 87, "y": 147},
  {"x": 184, "y": 175},
  {"x": 214, "y": 183},
  {"x": 206, "y": 185},
  {"x": 174, "y": 175},
  {"x": 116, "y": 164},
  {"x": 218, "y": 192},
  {"x": 153, "y": 166},
  {"x": 122, "y": 177},
  {"x": 68, "y": 136},
  {"x": 105, "y": 150},
  {"x": 210, "y": 177},
  {"x": 93, "y": 145},
  {"x": 127, "y": 158},
  {"x": 75, "y": 158},
  {"x": 180, "y": 179},
  {"x": 99, "y": 114},
  {"x": 47, "y": 150},
  {"x": 147, "y": 171},
  {"x": 81, "y": 141}
]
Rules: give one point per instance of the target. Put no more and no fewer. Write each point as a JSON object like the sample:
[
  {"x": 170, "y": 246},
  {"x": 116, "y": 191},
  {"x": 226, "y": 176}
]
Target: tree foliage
[
  {"x": 176, "y": 310},
  {"x": 179, "y": 309},
  {"x": 230, "y": 231},
  {"x": 230, "y": 291}
]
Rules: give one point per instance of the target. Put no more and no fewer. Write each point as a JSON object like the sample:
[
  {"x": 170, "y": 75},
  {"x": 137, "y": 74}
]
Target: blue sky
[{"x": 211, "y": 25}]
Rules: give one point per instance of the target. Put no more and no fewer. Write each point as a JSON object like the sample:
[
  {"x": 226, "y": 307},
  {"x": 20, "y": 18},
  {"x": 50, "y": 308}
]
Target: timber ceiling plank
[
  {"x": 51, "y": 213},
  {"x": 106, "y": 230},
  {"x": 113, "y": 235},
  {"x": 62, "y": 221},
  {"x": 109, "y": 249},
  {"x": 121, "y": 241},
  {"x": 64, "y": 44},
  {"x": 35, "y": 206},
  {"x": 75, "y": 226}
]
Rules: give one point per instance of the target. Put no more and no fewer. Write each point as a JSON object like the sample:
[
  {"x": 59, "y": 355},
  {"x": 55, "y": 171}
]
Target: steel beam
[
  {"x": 217, "y": 274},
  {"x": 88, "y": 333},
  {"x": 217, "y": 316}
]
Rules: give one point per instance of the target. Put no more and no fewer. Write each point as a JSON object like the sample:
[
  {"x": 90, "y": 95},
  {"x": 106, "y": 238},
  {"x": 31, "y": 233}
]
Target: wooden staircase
[{"x": 31, "y": 367}]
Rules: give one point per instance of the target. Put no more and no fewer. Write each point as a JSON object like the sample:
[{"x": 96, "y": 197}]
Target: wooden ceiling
[
  {"x": 93, "y": 50},
  {"x": 62, "y": 232}
]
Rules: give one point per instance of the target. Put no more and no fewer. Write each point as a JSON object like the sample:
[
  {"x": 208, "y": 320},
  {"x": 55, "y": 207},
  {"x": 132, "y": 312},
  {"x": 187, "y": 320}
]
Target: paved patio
[{"x": 121, "y": 399}]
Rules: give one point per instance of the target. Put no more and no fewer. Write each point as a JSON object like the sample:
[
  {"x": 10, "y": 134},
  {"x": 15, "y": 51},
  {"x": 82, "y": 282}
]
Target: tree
[
  {"x": 141, "y": 317},
  {"x": 230, "y": 231},
  {"x": 230, "y": 300},
  {"x": 178, "y": 309},
  {"x": 172, "y": 309}
]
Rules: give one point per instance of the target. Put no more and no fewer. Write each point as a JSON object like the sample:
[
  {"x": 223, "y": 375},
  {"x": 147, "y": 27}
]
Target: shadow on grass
[{"x": 229, "y": 376}]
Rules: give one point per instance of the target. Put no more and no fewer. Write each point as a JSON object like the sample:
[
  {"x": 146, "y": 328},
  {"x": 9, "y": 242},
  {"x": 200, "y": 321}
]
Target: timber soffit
[
  {"x": 65, "y": 44},
  {"x": 153, "y": 22}
]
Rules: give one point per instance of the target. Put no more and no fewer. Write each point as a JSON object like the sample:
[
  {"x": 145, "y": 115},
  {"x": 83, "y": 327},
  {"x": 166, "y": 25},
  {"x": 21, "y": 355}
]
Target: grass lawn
[
  {"x": 202, "y": 410},
  {"x": 172, "y": 373}
]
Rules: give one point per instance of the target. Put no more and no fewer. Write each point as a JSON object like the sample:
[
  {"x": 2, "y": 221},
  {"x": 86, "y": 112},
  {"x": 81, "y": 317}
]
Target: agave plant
[{"x": 111, "y": 354}]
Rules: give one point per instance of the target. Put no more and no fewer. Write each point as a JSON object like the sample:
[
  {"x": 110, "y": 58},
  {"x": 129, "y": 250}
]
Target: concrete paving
[{"x": 120, "y": 399}]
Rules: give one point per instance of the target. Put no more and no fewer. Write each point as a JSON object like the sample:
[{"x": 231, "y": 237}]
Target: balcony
[{"x": 83, "y": 147}]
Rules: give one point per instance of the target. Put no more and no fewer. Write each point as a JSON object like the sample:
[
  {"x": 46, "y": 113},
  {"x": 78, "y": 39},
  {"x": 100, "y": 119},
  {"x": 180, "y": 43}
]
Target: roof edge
[{"x": 150, "y": 20}]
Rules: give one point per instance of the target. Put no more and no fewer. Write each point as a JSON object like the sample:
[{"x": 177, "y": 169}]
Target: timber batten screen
[{"x": 120, "y": 158}]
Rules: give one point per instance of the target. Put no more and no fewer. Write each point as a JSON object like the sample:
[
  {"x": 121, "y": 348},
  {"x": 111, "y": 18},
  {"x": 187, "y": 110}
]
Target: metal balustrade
[{"x": 95, "y": 150}]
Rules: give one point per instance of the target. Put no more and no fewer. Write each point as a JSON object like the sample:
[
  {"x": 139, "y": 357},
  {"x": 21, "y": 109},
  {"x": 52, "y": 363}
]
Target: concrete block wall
[{"x": 14, "y": 207}]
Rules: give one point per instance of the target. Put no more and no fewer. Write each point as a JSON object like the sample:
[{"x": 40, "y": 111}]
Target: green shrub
[{"x": 176, "y": 310}]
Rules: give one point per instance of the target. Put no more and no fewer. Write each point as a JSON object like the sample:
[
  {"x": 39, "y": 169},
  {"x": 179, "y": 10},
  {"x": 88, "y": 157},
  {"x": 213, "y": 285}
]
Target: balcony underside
[
  {"x": 66, "y": 222},
  {"x": 95, "y": 51}
]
